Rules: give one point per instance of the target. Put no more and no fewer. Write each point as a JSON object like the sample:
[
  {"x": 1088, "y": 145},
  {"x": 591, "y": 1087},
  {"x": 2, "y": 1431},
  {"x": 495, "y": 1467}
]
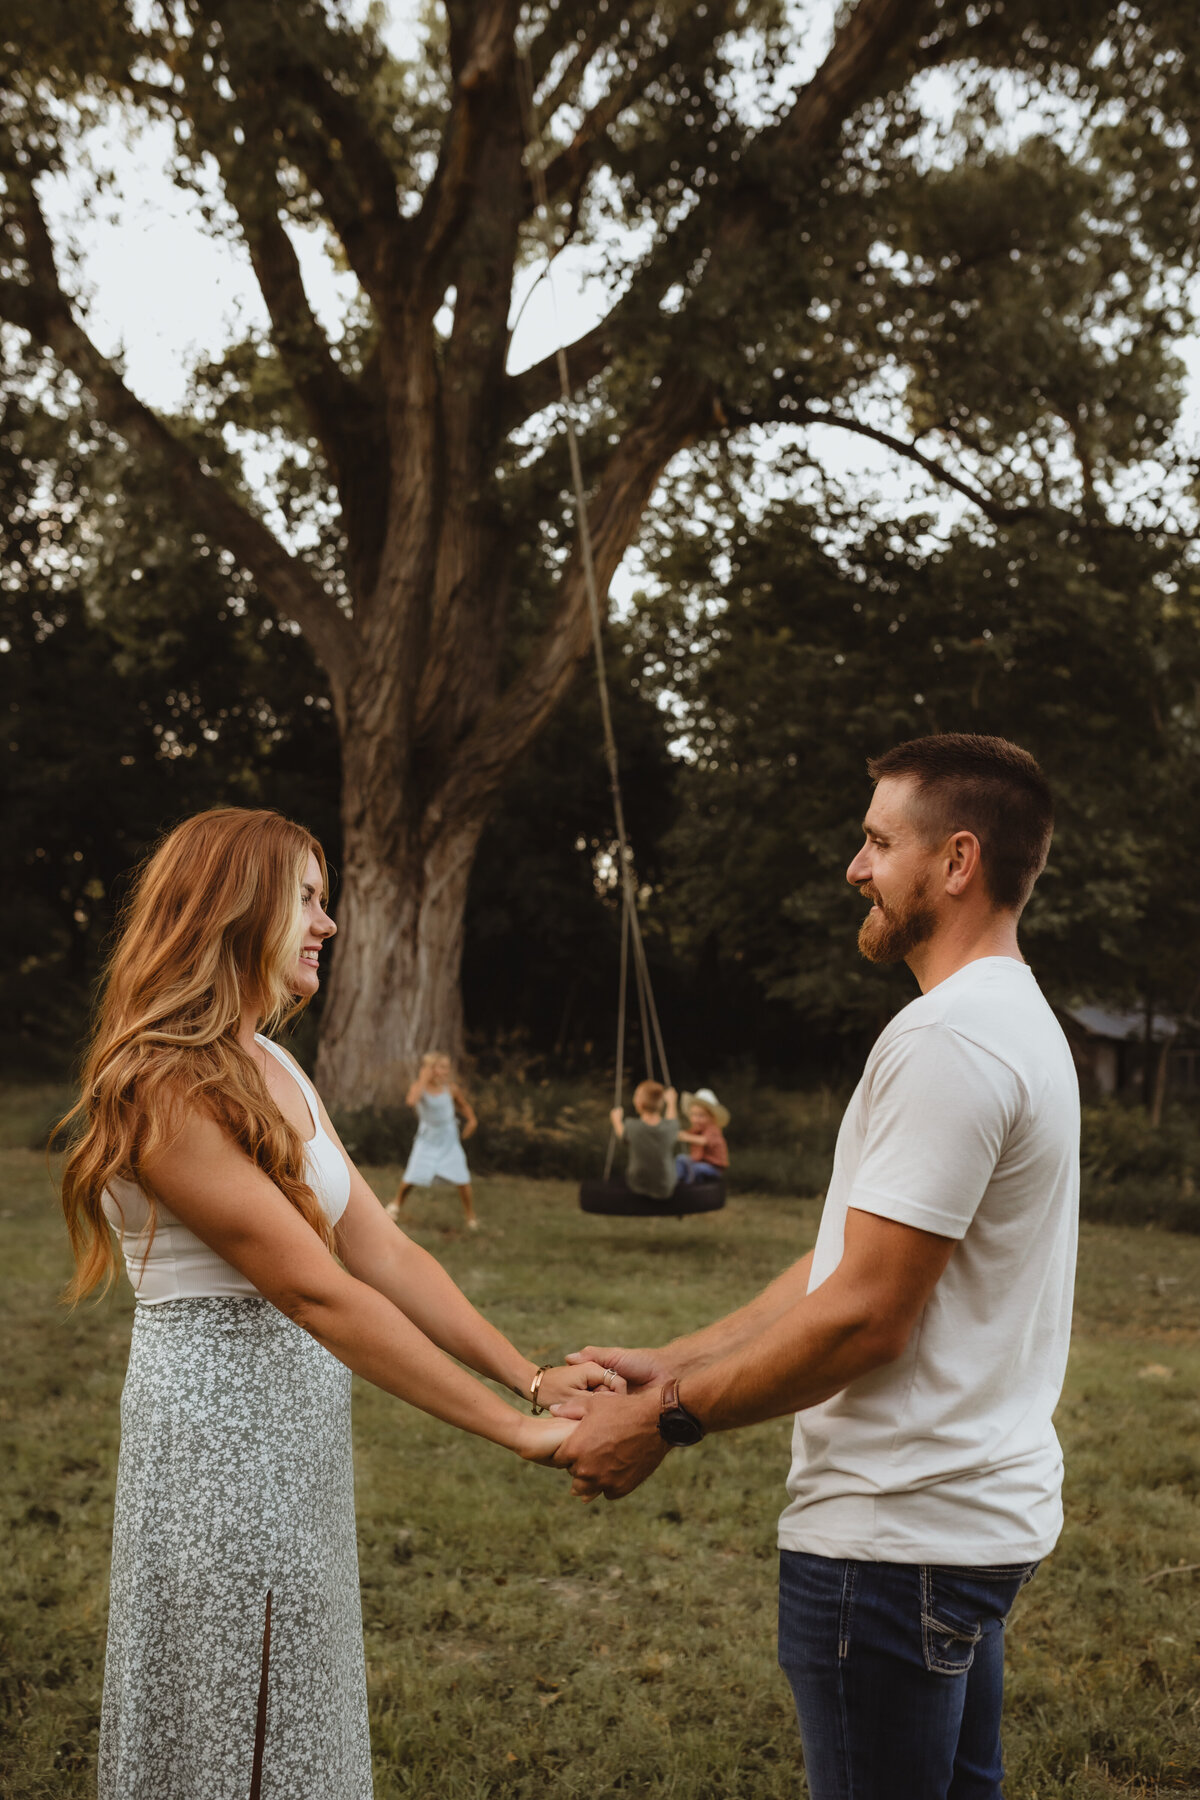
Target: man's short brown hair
[
  {"x": 648, "y": 1096},
  {"x": 987, "y": 786}
]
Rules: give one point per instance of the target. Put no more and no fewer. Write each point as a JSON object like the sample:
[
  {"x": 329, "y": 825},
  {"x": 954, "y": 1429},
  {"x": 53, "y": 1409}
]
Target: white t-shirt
[{"x": 965, "y": 1124}]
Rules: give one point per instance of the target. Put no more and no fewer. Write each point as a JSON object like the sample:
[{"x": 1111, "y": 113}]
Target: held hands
[
  {"x": 538, "y": 1440},
  {"x": 617, "y": 1444},
  {"x": 564, "y": 1390},
  {"x": 635, "y": 1368}
]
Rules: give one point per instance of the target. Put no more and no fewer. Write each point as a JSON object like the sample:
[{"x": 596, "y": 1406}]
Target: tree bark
[{"x": 394, "y": 985}]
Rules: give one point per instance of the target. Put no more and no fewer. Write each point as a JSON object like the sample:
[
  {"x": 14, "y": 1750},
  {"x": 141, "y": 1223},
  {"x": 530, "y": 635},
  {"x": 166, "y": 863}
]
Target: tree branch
[
  {"x": 863, "y": 44},
  {"x": 582, "y": 55},
  {"x": 538, "y": 386},
  {"x": 42, "y": 308},
  {"x": 328, "y": 136},
  {"x": 738, "y": 217},
  {"x": 481, "y": 47},
  {"x": 995, "y": 510},
  {"x": 572, "y": 166},
  {"x": 369, "y": 212},
  {"x": 605, "y": 26},
  {"x": 345, "y": 416},
  {"x": 329, "y": 396},
  {"x": 482, "y": 761}
]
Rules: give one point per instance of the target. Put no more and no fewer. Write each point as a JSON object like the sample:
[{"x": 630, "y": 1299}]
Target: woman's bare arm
[
  {"x": 379, "y": 1253},
  {"x": 376, "y": 1251},
  {"x": 217, "y": 1192}
]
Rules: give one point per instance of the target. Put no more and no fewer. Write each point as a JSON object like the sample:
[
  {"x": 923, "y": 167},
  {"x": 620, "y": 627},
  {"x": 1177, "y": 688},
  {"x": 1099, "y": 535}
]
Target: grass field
[{"x": 520, "y": 1644}]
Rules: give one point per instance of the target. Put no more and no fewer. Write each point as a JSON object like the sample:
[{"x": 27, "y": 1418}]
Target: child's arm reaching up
[
  {"x": 415, "y": 1091},
  {"x": 617, "y": 1115},
  {"x": 671, "y": 1109}
]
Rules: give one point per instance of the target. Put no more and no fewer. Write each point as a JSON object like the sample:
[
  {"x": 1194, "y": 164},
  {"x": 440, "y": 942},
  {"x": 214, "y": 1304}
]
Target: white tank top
[{"x": 178, "y": 1265}]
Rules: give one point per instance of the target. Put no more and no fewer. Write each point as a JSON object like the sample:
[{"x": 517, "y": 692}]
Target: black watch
[{"x": 676, "y": 1425}]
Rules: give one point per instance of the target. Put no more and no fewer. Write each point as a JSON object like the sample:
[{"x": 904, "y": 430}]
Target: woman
[{"x": 266, "y": 1272}]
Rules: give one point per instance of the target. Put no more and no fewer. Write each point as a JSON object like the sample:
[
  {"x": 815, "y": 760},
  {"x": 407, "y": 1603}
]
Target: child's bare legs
[
  {"x": 470, "y": 1219},
  {"x": 395, "y": 1207}
]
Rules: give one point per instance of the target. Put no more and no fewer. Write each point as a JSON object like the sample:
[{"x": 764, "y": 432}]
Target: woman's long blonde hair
[{"x": 213, "y": 923}]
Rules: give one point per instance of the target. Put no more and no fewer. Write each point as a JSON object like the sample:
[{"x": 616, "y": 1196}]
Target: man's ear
[{"x": 963, "y": 862}]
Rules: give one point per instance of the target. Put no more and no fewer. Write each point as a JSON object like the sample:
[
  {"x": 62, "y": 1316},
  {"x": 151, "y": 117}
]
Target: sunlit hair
[
  {"x": 648, "y": 1096},
  {"x": 214, "y": 919}
]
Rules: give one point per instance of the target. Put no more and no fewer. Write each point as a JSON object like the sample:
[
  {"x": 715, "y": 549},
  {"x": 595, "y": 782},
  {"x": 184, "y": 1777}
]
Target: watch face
[{"x": 679, "y": 1427}]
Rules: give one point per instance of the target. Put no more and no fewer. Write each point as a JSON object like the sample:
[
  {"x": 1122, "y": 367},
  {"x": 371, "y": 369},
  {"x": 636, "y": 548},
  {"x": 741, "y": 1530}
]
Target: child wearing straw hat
[{"x": 707, "y": 1155}]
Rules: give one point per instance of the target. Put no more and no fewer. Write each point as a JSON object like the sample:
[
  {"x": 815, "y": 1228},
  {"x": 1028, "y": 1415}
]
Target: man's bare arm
[
  {"x": 858, "y": 1320},
  {"x": 687, "y": 1355},
  {"x": 725, "y": 1336}
]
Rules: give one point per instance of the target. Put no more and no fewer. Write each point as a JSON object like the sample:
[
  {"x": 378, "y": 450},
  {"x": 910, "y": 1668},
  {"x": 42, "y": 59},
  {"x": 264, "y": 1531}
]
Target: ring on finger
[{"x": 609, "y": 1378}]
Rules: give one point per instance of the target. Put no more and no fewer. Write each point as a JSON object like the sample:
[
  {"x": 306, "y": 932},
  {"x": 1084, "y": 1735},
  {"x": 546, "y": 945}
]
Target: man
[{"x": 922, "y": 1343}]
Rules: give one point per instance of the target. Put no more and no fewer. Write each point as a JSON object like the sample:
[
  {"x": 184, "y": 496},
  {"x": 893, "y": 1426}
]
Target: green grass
[{"x": 521, "y": 1645}]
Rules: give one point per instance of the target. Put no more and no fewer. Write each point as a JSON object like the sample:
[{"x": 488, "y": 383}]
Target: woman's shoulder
[{"x": 284, "y": 1056}]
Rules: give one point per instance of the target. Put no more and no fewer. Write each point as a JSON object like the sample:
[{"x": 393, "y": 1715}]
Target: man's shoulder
[
  {"x": 997, "y": 1023},
  {"x": 976, "y": 1000}
]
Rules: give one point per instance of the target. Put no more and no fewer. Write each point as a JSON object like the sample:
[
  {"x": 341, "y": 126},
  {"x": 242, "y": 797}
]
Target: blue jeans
[
  {"x": 688, "y": 1170},
  {"x": 898, "y": 1675}
]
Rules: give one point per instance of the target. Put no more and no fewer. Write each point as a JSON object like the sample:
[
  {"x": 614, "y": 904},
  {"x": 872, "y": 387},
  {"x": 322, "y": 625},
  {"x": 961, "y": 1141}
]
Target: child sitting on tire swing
[
  {"x": 707, "y": 1155},
  {"x": 649, "y": 1140}
]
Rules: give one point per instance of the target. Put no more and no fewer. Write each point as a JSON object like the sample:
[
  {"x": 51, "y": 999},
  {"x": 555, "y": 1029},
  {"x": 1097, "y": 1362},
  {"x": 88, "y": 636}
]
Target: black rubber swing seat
[{"x": 616, "y": 1199}]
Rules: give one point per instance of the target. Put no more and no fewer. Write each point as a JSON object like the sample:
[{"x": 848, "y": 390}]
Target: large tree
[{"x": 800, "y": 246}]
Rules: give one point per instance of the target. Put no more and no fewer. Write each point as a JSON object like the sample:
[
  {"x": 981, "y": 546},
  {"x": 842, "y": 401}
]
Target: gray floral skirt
[{"x": 235, "y": 1487}]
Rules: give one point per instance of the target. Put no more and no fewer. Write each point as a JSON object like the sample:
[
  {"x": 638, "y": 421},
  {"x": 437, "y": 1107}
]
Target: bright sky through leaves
[{"x": 165, "y": 292}]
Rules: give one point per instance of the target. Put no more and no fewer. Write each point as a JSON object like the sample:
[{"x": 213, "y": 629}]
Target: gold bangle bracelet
[{"x": 534, "y": 1386}]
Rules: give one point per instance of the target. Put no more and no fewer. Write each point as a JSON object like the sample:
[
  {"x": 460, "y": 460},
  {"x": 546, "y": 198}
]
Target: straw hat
[{"x": 708, "y": 1100}]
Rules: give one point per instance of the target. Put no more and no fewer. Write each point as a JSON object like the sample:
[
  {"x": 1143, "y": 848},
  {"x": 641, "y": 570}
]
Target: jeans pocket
[{"x": 950, "y": 1625}]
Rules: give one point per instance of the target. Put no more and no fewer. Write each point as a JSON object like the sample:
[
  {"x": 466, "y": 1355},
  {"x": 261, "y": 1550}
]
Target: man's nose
[{"x": 859, "y": 870}]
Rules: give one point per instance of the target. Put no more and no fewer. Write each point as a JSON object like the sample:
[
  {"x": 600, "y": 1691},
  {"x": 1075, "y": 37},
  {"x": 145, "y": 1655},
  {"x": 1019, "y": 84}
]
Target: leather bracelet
[{"x": 534, "y": 1388}]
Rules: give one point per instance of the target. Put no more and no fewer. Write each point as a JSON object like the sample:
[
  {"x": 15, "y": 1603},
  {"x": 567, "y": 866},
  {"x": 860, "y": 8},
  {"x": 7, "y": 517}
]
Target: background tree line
[
  {"x": 139, "y": 682},
  {"x": 994, "y": 289}
]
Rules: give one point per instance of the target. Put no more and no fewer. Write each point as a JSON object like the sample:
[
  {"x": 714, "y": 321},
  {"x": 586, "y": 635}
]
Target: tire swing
[{"x": 611, "y": 1195}]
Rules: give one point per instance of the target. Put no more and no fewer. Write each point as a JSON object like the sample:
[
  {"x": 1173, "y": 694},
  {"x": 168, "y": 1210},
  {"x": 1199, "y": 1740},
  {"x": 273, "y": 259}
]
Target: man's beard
[{"x": 894, "y": 932}]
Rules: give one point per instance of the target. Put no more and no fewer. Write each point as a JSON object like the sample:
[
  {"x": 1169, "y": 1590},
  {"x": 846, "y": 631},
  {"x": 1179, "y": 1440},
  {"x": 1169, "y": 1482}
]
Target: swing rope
[{"x": 631, "y": 929}]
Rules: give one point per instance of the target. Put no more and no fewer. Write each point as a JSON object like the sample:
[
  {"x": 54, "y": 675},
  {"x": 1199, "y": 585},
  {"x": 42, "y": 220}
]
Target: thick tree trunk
[{"x": 394, "y": 986}]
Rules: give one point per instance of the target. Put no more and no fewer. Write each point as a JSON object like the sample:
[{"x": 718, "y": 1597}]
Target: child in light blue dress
[{"x": 437, "y": 1153}]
